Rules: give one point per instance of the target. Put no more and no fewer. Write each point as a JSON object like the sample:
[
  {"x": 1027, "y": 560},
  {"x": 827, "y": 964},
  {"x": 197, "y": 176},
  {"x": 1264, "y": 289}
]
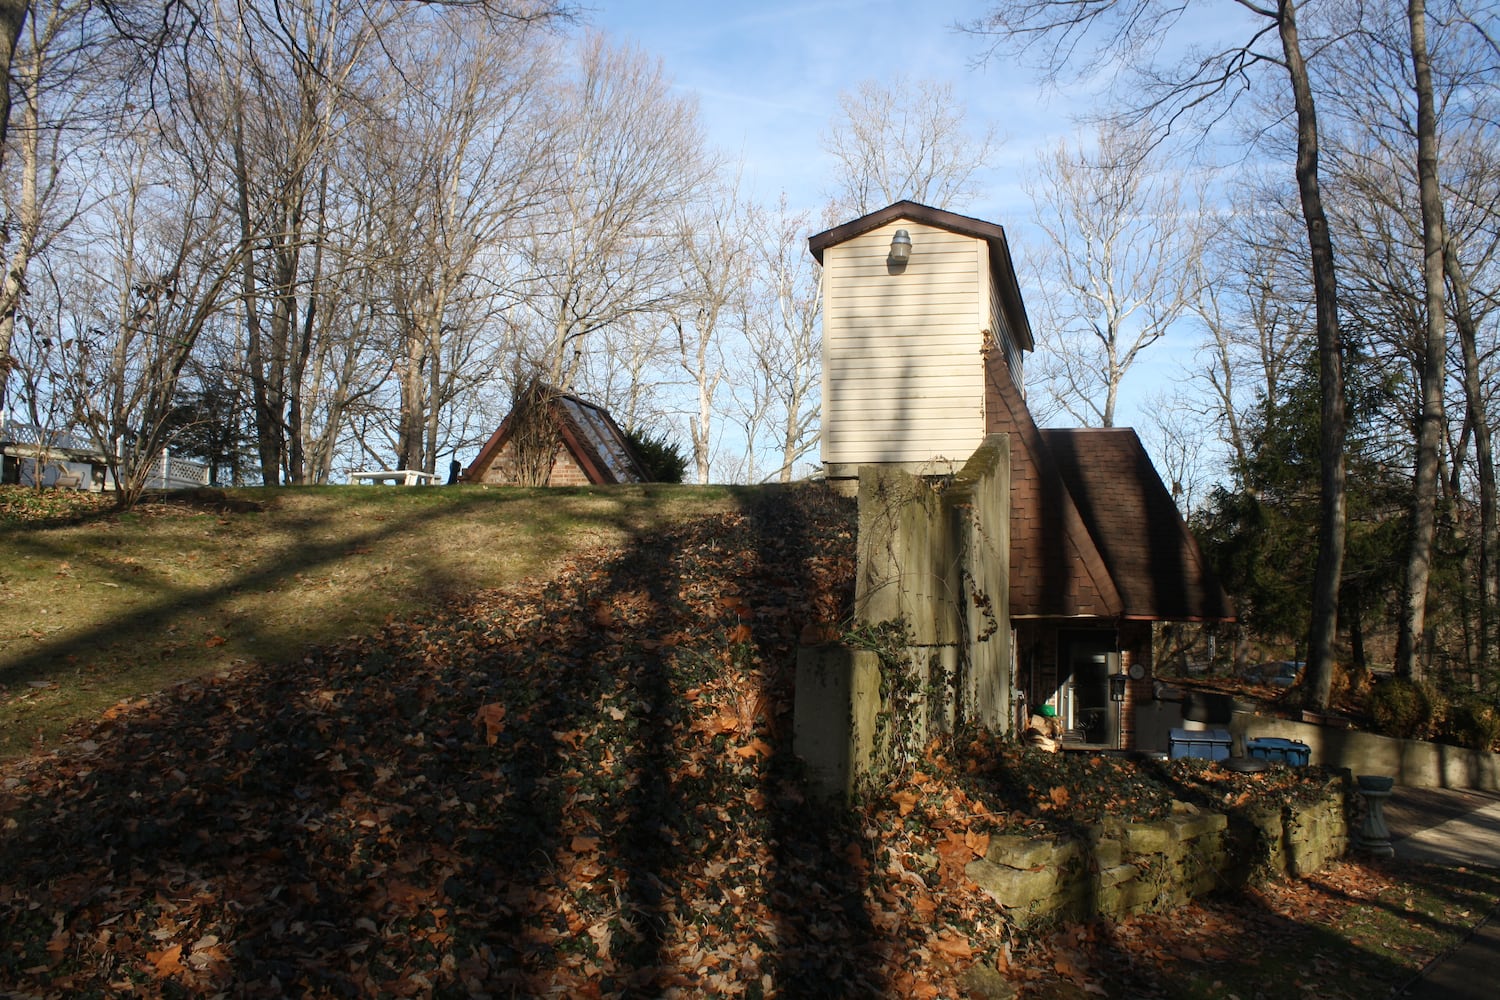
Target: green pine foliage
[
  {"x": 662, "y": 458},
  {"x": 1261, "y": 534}
]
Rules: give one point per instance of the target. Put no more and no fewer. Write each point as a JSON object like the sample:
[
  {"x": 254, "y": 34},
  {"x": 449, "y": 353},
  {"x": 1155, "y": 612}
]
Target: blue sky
[{"x": 768, "y": 76}]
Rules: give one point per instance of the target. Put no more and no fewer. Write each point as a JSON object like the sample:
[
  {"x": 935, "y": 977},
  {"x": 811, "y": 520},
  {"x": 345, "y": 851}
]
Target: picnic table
[{"x": 400, "y": 477}]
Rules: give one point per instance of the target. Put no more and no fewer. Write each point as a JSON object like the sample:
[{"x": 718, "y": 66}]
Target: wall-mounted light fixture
[{"x": 901, "y": 247}]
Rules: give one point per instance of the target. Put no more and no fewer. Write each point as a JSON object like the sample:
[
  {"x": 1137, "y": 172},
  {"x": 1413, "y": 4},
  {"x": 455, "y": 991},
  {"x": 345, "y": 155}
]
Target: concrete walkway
[{"x": 1458, "y": 828}]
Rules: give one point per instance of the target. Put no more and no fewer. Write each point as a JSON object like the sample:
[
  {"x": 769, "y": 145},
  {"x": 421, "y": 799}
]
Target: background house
[
  {"x": 925, "y": 337},
  {"x": 34, "y": 456},
  {"x": 551, "y": 438}
]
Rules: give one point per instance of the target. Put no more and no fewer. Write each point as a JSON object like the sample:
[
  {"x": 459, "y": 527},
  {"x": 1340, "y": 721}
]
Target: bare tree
[
  {"x": 1478, "y": 418},
  {"x": 713, "y": 254},
  {"x": 627, "y": 154},
  {"x": 630, "y": 371},
  {"x": 1435, "y": 352},
  {"x": 1121, "y": 268},
  {"x": 12, "y": 22},
  {"x": 458, "y": 170},
  {"x": 1174, "y": 436},
  {"x": 905, "y": 140},
  {"x": 1253, "y": 308},
  {"x": 173, "y": 259},
  {"x": 1403, "y": 96},
  {"x": 783, "y": 332},
  {"x": 286, "y": 79},
  {"x": 1075, "y": 36},
  {"x": 54, "y": 74}
]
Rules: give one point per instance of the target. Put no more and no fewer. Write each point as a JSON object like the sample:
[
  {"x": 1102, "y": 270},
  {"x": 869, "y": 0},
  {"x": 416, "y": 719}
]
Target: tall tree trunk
[
  {"x": 304, "y": 340},
  {"x": 1489, "y": 531},
  {"x": 255, "y": 358},
  {"x": 1323, "y": 628},
  {"x": 1434, "y": 361},
  {"x": 26, "y": 224},
  {"x": 12, "y": 20}
]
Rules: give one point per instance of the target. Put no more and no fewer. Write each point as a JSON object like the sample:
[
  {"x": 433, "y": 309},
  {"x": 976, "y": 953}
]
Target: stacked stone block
[{"x": 1118, "y": 869}]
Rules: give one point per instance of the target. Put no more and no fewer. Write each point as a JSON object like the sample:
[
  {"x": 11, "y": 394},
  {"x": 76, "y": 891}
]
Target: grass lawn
[{"x": 98, "y": 606}]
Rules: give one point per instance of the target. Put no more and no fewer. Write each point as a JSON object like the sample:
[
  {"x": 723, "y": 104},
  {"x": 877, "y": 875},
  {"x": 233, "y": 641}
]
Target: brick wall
[{"x": 565, "y": 471}]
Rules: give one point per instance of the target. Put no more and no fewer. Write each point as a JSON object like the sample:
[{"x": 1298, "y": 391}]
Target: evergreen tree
[
  {"x": 662, "y": 459},
  {"x": 1262, "y": 534}
]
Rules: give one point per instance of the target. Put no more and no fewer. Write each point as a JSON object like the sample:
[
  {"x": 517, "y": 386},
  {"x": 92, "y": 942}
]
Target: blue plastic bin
[
  {"x": 1210, "y": 744},
  {"x": 1293, "y": 752}
]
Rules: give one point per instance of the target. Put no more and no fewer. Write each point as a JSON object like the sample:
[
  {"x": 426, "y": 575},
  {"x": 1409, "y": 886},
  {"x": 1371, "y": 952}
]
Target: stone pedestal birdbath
[{"x": 1374, "y": 837}]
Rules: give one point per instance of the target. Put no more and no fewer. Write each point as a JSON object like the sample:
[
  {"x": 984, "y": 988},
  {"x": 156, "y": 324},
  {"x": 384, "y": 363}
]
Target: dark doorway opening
[{"x": 1089, "y": 657}]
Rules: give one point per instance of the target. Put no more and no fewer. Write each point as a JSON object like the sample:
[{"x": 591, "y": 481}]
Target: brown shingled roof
[
  {"x": 1055, "y": 568},
  {"x": 1093, "y": 530},
  {"x": 1152, "y": 557}
]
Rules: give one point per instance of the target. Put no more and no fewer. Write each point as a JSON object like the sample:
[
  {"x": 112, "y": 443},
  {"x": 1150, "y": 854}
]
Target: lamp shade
[{"x": 901, "y": 246}]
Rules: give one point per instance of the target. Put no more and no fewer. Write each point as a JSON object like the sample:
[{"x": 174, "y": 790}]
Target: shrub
[
  {"x": 663, "y": 459},
  {"x": 1474, "y": 723},
  {"x": 1408, "y": 709}
]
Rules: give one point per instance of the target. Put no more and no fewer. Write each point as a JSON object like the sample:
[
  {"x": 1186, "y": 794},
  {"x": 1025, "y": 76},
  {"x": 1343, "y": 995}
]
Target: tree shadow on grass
[
  {"x": 556, "y": 790},
  {"x": 300, "y": 547},
  {"x": 1290, "y": 938}
]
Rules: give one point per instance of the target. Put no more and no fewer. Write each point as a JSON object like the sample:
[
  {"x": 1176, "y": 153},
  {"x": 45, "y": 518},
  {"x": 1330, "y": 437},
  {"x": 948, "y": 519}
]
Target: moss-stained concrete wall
[
  {"x": 1117, "y": 869},
  {"x": 934, "y": 555},
  {"x": 836, "y": 712}
]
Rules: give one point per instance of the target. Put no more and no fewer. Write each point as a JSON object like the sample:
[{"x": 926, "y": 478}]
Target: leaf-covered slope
[
  {"x": 577, "y": 788},
  {"x": 580, "y": 788}
]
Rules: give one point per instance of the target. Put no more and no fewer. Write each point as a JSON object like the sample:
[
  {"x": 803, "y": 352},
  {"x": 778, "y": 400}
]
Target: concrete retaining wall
[
  {"x": 836, "y": 717},
  {"x": 934, "y": 555},
  {"x": 1115, "y": 870},
  {"x": 1411, "y": 762}
]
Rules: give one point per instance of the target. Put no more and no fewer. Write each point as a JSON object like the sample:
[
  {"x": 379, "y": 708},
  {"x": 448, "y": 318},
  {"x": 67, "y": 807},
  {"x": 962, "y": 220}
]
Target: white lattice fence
[{"x": 170, "y": 472}]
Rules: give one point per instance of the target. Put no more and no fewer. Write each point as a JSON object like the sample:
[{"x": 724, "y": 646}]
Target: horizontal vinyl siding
[
  {"x": 902, "y": 379},
  {"x": 1004, "y": 336},
  {"x": 935, "y": 365}
]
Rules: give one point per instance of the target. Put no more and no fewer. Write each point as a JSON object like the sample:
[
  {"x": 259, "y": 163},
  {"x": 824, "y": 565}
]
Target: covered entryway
[{"x": 1088, "y": 658}]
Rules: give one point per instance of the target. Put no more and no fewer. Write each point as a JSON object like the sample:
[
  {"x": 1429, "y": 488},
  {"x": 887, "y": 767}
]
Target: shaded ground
[
  {"x": 584, "y": 788},
  {"x": 1412, "y": 810}
]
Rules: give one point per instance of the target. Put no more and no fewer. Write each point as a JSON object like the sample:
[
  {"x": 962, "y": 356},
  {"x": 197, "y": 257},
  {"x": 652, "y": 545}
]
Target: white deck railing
[{"x": 72, "y": 461}]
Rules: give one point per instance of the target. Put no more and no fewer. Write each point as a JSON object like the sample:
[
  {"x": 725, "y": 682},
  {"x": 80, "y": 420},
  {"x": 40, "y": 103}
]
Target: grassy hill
[{"x": 98, "y": 606}]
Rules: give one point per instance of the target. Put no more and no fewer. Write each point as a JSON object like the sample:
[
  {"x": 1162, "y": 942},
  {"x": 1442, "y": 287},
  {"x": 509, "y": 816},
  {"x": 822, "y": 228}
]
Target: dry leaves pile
[{"x": 583, "y": 788}]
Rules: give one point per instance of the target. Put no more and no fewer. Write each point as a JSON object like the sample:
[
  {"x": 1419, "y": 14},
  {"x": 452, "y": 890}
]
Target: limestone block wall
[{"x": 1115, "y": 870}]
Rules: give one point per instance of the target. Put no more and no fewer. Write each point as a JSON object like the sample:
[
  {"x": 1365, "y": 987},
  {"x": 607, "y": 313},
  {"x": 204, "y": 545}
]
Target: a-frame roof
[
  {"x": 1002, "y": 268},
  {"x": 1154, "y": 560},
  {"x": 588, "y": 433},
  {"x": 1094, "y": 532}
]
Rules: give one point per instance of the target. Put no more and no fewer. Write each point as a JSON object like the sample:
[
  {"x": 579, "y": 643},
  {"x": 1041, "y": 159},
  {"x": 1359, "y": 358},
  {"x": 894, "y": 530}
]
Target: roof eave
[{"x": 1002, "y": 266}]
